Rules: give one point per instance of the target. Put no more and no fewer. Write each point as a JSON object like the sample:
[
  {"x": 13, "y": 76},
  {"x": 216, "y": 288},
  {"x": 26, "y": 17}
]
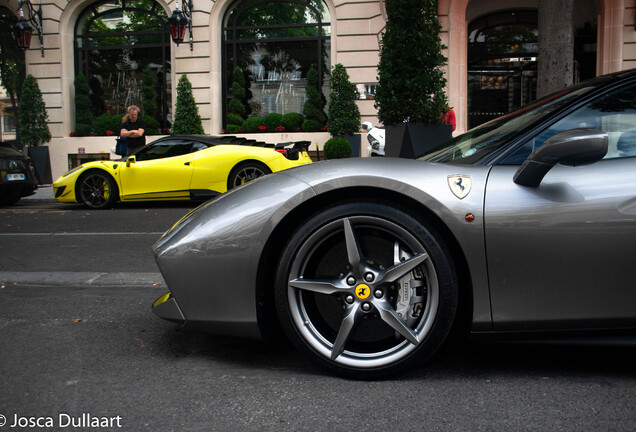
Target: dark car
[
  {"x": 17, "y": 175},
  {"x": 521, "y": 228}
]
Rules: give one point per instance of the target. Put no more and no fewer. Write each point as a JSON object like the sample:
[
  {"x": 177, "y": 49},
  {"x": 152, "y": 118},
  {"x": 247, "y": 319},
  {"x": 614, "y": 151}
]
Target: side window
[
  {"x": 196, "y": 146},
  {"x": 164, "y": 149},
  {"x": 613, "y": 113}
]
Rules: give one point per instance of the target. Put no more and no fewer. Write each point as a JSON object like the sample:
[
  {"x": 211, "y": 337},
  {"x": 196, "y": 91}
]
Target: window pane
[
  {"x": 613, "y": 113},
  {"x": 113, "y": 47},
  {"x": 277, "y": 43}
]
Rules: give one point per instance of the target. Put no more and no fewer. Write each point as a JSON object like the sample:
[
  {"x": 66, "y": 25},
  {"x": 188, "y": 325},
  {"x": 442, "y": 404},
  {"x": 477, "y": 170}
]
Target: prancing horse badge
[{"x": 460, "y": 185}]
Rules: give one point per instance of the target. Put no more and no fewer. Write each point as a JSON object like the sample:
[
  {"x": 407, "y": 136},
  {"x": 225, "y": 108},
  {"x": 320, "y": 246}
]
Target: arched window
[
  {"x": 276, "y": 43},
  {"x": 115, "y": 41}
]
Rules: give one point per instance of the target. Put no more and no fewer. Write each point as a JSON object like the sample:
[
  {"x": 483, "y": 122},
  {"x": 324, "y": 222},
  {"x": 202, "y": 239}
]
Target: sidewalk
[{"x": 42, "y": 194}]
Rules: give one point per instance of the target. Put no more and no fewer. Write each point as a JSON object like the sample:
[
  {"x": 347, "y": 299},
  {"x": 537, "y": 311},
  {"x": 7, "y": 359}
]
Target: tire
[
  {"x": 341, "y": 297},
  {"x": 97, "y": 190},
  {"x": 246, "y": 172}
]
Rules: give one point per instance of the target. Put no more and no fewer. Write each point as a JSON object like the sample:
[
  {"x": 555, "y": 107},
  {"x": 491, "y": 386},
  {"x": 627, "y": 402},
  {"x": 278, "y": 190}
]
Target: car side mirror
[
  {"x": 572, "y": 147},
  {"x": 130, "y": 160}
]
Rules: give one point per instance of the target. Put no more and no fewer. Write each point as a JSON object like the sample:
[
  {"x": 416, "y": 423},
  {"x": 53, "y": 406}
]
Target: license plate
[{"x": 14, "y": 177}]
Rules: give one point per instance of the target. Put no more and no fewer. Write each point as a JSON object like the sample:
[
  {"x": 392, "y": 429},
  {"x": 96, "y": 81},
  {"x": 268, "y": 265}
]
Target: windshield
[
  {"x": 8, "y": 151},
  {"x": 473, "y": 145}
]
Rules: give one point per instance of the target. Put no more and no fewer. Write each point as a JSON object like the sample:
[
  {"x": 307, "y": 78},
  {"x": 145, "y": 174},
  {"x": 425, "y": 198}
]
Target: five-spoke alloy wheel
[
  {"x": 97, "y": 190},
  {"x": 366, "y": 289},
  {"x": 246, "y": 172}
]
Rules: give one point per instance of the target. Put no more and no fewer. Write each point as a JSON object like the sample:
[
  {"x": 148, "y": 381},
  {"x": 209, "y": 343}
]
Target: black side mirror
[
  {"x": 130, "y": 160},
  {"x": 572, "y": 147}
]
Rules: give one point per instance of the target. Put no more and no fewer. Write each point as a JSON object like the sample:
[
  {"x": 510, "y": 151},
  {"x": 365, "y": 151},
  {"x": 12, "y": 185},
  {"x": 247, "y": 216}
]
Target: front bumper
[{"x": 166, "y": 307}]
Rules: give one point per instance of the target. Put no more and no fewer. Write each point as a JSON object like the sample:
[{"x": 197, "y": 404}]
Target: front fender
[
  {"x": 64, "y": 186},
  {"x": 209, "y": 259}
]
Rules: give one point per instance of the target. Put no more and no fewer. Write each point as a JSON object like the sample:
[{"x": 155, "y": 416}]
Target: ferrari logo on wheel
[
  {"x": 363, "y": 291},
  {"x": 460, "y": 185}
]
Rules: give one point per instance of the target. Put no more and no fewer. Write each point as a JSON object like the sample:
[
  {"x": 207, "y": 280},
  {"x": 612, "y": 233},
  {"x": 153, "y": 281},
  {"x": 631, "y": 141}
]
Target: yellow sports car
[{"x": 177, "y": 168}]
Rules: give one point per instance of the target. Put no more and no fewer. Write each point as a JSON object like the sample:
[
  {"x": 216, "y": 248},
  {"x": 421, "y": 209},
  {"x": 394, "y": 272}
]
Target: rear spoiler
[
  {"x": 298, "y": 145},
  {"x": 296, "y": 148},
  {"x": 229, "y": 139},
  {"x": 290, "y": 149}
]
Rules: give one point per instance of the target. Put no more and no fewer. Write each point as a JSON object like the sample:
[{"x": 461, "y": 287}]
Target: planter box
[
  {"x": 412, "y": 140},
  {"x": 42, "y": 164},
  {"x": 354, "y": 142}
]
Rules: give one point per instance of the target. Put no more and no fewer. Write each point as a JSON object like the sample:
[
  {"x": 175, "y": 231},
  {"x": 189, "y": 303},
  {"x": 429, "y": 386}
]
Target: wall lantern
[
  {"x": 23, "y": 30},
  {"x": 179, "y": 20}
]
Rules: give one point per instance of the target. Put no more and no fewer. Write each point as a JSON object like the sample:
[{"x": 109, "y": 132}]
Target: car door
[
  {"x": 561, "y": 255},
  {"x": 159, "y": 170}
]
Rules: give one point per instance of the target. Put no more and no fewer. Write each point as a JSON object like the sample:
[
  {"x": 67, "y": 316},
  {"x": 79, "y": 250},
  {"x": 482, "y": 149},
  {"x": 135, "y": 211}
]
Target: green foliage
[
  {"x": 250, "y": 125},
  {"x": 83, "y": 105},
  {"x": 107, "y": 122},
  {"x": 411, "y": 76},
  {"x": 238, "y": 92},
  {"x": 186, "y": 117},
  {"x": 311, "y": 125},
  {"x": 32, "y": 115},
  {"x": 234, "y": 119},
  {"x": 292, "y": 122},
  {"x": 344, "y": 114},
  {"x": 272, "y": 121},
  {"x": 233, "y": 128},
  {"x": 337, "y": 148},
  {"x": 237, "y": 107},
  {"x": 315, "y": 103},
  {"x": 150, "y": 109}
]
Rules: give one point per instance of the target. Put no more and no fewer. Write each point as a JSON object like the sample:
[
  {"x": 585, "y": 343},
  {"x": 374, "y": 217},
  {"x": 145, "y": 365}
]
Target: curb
[{"x": 81, "y": 279}]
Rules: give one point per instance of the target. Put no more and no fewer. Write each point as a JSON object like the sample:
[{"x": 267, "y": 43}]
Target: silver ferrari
[{"x": 522, "y": 227}]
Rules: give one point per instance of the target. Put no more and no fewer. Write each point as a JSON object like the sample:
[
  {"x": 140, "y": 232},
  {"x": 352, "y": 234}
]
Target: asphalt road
[{"x": 75, "y": 351}]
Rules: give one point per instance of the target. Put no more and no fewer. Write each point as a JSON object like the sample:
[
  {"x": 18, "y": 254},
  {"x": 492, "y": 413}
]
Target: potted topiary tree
[
  {"x": 337, "y": 148},
  {"x": 236, "y": 109},
  {"x": 313, "y": 110},
  {"x": 410, "y": 95},
  {"x": 150, "y": 109},
  {"x": 83, "y": 105},
  {"x": 186, "y": 114},
  {"x": 34, "y": 129},
  {"x": 343, "y": 112}
]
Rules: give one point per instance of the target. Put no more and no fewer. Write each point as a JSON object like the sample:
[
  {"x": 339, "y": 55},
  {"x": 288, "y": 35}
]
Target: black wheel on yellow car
[
  {"x": 96, "y": 189},
  {"x": 246, "y": 172},
  {"x": 367, "y": 290}
]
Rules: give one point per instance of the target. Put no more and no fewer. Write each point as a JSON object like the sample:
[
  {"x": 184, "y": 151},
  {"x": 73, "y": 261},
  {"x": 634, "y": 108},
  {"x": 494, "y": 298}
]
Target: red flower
[
  {"x": 109, "y": 133},
  {"x": 324, "y": 128},
  {"x": 71, "y": 134},
  {"x": 262, "y": 128},
  {"x": 165, "y": 130},
  {"x": 280, "y": 128}
]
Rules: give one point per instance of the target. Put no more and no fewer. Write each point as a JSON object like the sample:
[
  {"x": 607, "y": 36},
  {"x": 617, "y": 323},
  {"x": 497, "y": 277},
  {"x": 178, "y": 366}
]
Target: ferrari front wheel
[
  {"x": 366, "y": 290},
  {"x": 97, "y": 190},
  {"x": 245, "y": 172}
]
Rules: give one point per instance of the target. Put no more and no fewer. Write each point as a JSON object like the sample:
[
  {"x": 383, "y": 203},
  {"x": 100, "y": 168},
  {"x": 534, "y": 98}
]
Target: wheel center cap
[{"x": 363, "y": 291}]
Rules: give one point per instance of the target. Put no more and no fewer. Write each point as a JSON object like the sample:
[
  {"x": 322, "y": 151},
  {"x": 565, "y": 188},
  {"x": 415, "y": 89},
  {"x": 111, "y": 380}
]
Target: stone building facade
[{"x": 349, "y": 32}]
